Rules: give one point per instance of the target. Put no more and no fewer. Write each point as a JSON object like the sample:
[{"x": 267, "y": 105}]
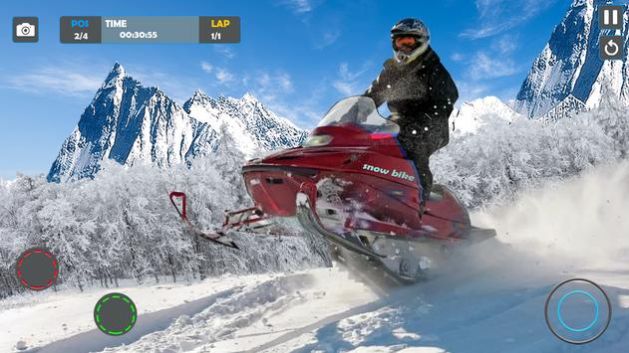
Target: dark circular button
[
  {"x": 37, "y": 269},
  {"x": 578, "y": 311},
  {"x": 115, "y": 314}
]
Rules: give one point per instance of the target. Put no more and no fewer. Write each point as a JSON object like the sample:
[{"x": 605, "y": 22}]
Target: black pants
[{"x": 420, "y": 140}]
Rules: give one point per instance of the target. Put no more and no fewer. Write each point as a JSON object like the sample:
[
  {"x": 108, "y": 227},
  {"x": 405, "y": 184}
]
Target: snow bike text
[{"x": 394, "y": 173}]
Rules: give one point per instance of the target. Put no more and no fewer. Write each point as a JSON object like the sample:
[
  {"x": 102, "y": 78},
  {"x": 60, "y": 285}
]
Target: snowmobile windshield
[{"x": 359, "y": 111}]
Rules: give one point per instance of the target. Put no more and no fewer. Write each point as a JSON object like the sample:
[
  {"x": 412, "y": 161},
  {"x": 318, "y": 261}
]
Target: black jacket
[{"x": 422, "y": 94}]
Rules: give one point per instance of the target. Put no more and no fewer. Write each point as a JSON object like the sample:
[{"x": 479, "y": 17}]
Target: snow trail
[{"x": 276, "y": 310}]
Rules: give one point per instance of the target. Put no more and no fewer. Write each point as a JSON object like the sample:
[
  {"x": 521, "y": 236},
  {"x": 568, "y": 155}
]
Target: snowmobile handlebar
[{"x": 182, "y": 212}]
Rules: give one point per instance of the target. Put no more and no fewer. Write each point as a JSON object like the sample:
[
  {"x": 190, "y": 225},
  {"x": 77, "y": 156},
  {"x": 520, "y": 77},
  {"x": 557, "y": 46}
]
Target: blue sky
[{"x": 296, "y": 56}]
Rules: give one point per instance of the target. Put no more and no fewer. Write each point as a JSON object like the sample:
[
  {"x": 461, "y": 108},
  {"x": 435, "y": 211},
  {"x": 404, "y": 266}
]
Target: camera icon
[{"x": 25, "y": 29}]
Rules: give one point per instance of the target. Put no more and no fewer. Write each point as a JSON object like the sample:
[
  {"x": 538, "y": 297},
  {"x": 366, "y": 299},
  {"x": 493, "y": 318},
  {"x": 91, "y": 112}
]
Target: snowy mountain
[
  {"x": 252, "y": 126},
  {"x": 471, "y": 116},
  {"x": 129, "y": 123},
  {"x": 568, "y": 107},
  {"x": 569, "y": 67}
]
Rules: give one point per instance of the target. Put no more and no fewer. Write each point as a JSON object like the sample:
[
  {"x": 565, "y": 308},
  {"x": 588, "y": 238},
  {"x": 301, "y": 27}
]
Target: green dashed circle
[{"x": 100, "y": 306}]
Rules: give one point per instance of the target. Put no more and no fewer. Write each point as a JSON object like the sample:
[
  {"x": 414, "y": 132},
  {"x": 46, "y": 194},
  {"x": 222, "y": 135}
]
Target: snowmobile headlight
[{"x": 318, "y": 140}]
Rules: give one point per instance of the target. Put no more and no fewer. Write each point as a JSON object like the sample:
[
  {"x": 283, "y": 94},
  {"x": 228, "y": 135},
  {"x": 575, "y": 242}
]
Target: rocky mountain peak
[
  {"x": 130, "y": 123},
  {"x": 569, "y": 67}
]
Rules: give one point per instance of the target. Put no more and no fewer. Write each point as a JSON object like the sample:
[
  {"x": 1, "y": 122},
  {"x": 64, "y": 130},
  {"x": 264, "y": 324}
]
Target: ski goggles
[{"x": 405, "y": 41}]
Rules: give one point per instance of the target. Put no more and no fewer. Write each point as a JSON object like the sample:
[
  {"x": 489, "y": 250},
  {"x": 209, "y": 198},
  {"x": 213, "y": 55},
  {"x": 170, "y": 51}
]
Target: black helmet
[{"x": 410, "y": 27}]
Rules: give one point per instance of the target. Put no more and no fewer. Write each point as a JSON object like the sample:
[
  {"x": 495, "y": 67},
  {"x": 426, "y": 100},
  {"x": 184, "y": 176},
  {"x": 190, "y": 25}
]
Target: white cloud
[
  {"x": 301, "y": 114},
  {"x": 264, "y": 79},
  {"x": 224, "y": 76},
  {"x": 497, "y": 16},
  {"x": 305, "y": 112},
  {"x": 298, "y": 6},
  {"x": 272, "y": 86},
  {"x": 469, "y": 90},
  {"x": 206, "y": 67},
  {"x": 327, "y": 38},
  {"x": 487, "y": 67},
  {"x": 349, "y": 83},
  {"x": 225, "y": 51},
  {"x": 221, "y": 74},
  {"x": 322, "y": 31},
  {"x": 55, "y": 79},
  {"x": 505, "y": 45},
  {"x": 345, "y": 88},
  {"x": 457, "y": 57},
  {"x": 285, "y": 82},
  {"x": 177, "y": 87},
  {"x": 63, "y": 80},
  {"x": 275, "y": 89},
  {"x": 484, "y": 66}
]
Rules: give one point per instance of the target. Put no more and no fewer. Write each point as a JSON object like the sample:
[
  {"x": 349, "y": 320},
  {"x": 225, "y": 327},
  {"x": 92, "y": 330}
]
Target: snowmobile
[{"x": 351, "y": 184}]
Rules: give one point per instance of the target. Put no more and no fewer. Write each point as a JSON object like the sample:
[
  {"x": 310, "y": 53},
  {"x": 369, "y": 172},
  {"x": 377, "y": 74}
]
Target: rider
[{"x": 419, "y": 93}]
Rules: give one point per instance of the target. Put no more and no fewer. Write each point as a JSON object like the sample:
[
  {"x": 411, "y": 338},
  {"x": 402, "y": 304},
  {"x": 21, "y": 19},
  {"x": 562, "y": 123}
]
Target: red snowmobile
[{"x": 351, "y": 184}]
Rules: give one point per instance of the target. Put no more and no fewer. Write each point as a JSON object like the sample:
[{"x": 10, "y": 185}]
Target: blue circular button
[
  {"x": 574, "y": 300},
  {"x": 589, "y": 296}
]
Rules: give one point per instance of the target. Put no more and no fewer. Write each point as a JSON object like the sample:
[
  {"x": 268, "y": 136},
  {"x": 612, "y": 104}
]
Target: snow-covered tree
[
  {"x": 121, "y": 224},
  {"x": 500, "y": 159}
]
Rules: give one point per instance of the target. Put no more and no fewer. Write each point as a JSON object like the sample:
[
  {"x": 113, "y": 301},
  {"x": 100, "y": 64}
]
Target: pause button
[{"x": 611, "y": 17}]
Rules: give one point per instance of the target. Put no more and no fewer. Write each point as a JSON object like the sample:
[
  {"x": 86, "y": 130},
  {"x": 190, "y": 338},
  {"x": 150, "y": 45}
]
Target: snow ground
[
  {"x": 28, "y": 317},
  {"x": 489, "y": 298},
  {"x": 220, "y": 315}
]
